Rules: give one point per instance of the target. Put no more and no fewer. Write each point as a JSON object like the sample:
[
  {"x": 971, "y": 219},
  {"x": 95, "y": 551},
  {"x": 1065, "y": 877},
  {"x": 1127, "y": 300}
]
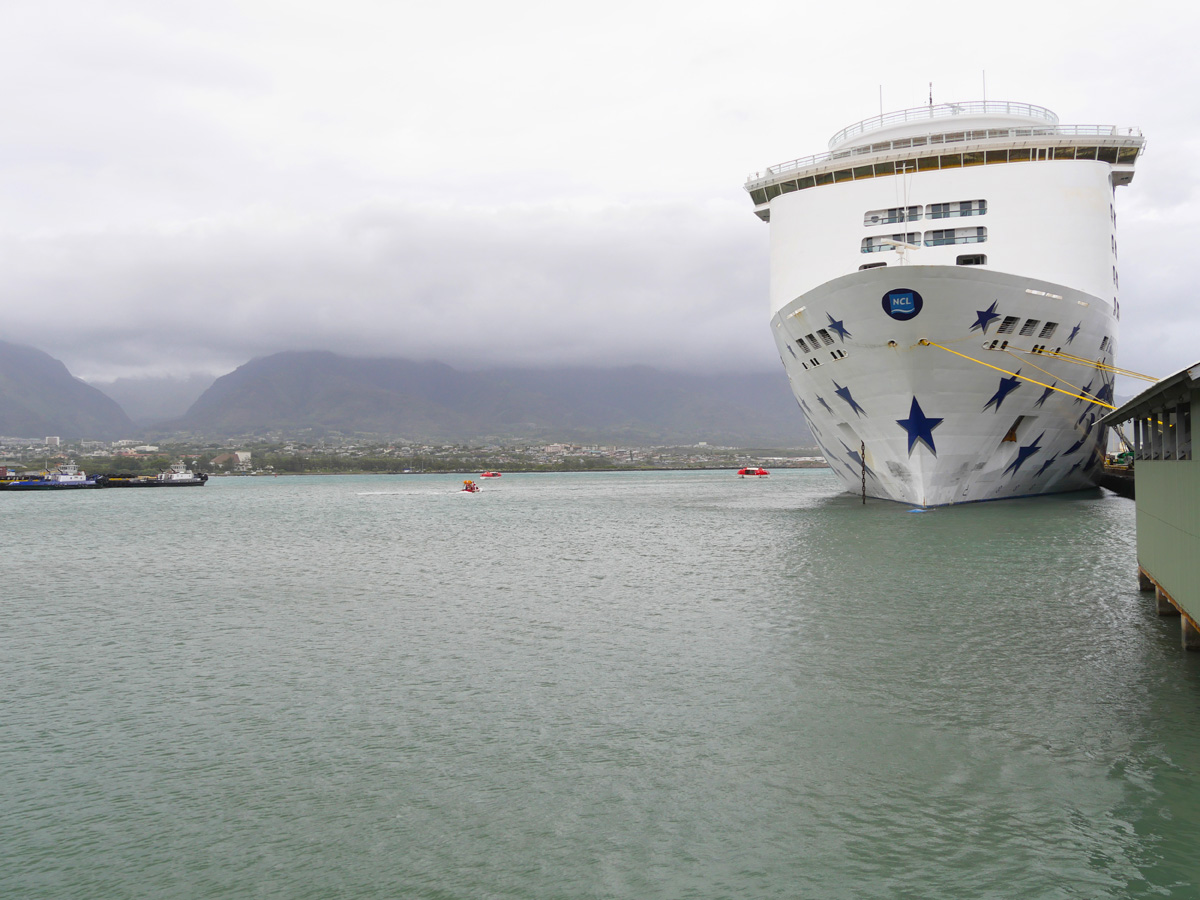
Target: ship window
[
  {"x": 973, "y": 159},
  {"x": 803, "y": 346},
  {"x": 958, "y": 208},
  {"x": 863, "y": 172},
  {"x": 825, "y": 338},
  {"x": 758, "y": 196},
  {"x": 955, "y": 236},
  {"x": 892, "y": 216},
  {"x": 951, "y": 161},
  {"x": 1064, "y": 152},
  {"x": 996, "y": 156},
  {"x": 877, "y": 265},
  {"x": 1108, "y": 155},
  {"x": 824, "y": 178},
  {"x": 815, "y": 361},
  {"x": 1027, "y": 328},
  {"x": 788, "y": 186},
  {"x": 1127, "y": 155},
  {"x": 927, "y": 163},
  {"x": 885, "y": 168},
  {"x": 906, "y": 165},
  {"x": 843, "y": 175},
  {"x": 875, "y": 244},
  {"x": 1085, "y": 152},
  {"x": 806, "y": 182},
  {"x": 1018, "y": 155},
  {"x": 972, "y": 259},
  {"x": 1104, "y": 344},
  {"x": 773, "y": 191},
  {"x": 1007, "y": 326},
  {"x": 1047, "y": 330},
  {"x": 812, "y": 339},
  {"x": 838, "y": 354}
]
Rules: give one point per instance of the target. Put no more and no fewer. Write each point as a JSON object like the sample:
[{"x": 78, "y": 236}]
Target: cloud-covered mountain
[
  {"x": 321, "y": 392},
  {"x": 39, "y": 397}
]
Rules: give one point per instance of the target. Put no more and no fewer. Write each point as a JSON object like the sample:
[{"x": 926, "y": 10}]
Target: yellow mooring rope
[
  {"x": 1084, "y": 362},
  {"x": 926, "y": 343}
]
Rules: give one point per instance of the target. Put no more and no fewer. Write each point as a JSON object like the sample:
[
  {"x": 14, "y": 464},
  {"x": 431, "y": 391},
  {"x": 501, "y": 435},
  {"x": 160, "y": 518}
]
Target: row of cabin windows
[
  {"x": 940, "y": 238},
  {"x": 1164, "y": 434},
  {"x": 966, "y": 259},
  {"x": 934, "y": 211},
  {"x": 1111, "y": 155}
]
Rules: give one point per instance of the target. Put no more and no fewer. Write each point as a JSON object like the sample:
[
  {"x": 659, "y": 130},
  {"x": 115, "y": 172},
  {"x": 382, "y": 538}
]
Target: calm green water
[{"x": 656, "y": 685}]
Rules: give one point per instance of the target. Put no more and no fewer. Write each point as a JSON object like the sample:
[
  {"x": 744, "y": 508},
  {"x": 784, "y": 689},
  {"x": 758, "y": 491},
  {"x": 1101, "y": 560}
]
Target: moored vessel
[{"x": 944, "y": 298}]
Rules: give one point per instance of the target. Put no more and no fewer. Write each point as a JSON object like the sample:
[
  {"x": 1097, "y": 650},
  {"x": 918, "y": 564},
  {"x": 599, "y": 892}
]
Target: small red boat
[
  {"x": 490, "y": 475},
  {"x": 753, "y": 472},
  {"x": 470, "y": 487}
]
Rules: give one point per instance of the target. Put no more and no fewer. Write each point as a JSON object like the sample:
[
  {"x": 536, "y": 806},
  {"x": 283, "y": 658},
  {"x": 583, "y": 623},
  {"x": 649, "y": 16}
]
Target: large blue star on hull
[
  {"x": 919, "y": 427},
  {"x": 837, "y": 325},
  {"x": 844, "y": 393},
  {"x": 1007, "y": 386},
  {"x": 1024, "y": 453},
  {"x": 828, "y": 409},
  {"x": 1045, "y": 395},
  {"x": 858, "y": 461},
  {"x": 1047, "y": 464},
  {"x": 985, "y": 317},
  {"x": 1074, "y": 331}
]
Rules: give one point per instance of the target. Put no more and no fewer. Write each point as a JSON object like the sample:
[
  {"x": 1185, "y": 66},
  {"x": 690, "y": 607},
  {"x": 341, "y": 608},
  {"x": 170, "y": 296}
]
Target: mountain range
[
  {"x": 317, "y": 393},
  {"x": 320, "y": 392},
  {"x": 39, "y": 397}
]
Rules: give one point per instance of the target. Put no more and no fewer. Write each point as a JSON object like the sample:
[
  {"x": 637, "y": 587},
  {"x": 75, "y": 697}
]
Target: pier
[{"x": 1167, "y": 496}]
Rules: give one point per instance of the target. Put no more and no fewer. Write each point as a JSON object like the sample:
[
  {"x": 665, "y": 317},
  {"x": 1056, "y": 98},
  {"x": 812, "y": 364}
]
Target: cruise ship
[{"x": 944, "y": 297}]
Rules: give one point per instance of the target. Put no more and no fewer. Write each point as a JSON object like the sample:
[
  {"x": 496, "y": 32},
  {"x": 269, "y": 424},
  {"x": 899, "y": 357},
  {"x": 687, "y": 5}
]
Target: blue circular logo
[{"x": 902, "y": 304}]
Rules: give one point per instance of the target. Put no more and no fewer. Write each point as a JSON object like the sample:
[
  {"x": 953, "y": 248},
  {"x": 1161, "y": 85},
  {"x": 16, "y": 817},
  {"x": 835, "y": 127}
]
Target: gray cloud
[{"x": 185, "y": 187}]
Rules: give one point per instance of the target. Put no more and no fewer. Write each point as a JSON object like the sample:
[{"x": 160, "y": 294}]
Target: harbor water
[{"x": 637, "y": 685}]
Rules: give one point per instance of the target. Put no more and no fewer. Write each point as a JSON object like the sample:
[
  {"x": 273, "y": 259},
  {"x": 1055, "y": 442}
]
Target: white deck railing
[
  {"x": 950, "y": 137},
  {"x": 942, "y": 110}
]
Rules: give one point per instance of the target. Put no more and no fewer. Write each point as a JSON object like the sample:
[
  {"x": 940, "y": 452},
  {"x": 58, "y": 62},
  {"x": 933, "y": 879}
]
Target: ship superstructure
[{"x": 944, "y": 297}]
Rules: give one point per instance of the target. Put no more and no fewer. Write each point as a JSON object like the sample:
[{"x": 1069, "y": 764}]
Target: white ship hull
[
  {"x": 937, "y": 428},
  {"x": 930, "y": 275}
]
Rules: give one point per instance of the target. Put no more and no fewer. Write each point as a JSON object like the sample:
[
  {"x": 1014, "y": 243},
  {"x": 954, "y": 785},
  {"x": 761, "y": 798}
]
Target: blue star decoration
[
  {"x": 985, "y": 317},
  {"x": 836, "y": 325},
  {"x": 919, "y": 427},
  {"x": 1024, "y": 453},
  {"x": 821, "y": 400},
  {"x": 1007, "y": 386},
  {"x": 844, "y": 393},
  {"x": 1046, "y": 465},
  {"x": 1074, "y": 331},
  {"x": 1086, "y": 392},
  {"x": 1046, "y": 394},
  {"x": 858, "y": 461}
]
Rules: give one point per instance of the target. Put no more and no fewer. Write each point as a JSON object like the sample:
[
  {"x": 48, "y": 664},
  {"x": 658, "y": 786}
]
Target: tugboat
[{"x": 67, "y": 476}]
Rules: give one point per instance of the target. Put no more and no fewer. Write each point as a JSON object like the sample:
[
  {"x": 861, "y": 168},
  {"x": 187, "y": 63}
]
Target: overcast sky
[{"x": 184, "y": 186}]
